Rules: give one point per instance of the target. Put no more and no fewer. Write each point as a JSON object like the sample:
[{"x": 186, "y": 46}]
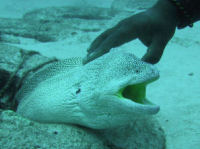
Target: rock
[
  {"x": 15, "y": 65},
  {"x": 9, "y": 39},
  {"x": 54, "y": 23},
  {"x": 18, "y": 132},
  {"x": 27, "y": 29},
  {"x": 85, "y": 13},
  {"x": 144, "y": 133},
  {"x": 129, "y": 5},
  {"x": 57, "y": 23}
]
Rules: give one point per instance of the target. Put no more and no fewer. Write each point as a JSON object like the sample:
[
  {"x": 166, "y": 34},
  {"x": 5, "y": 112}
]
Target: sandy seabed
[{"x": 178, "y": 89}]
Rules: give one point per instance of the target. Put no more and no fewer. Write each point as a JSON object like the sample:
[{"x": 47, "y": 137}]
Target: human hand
[{"x": 154, "y": 28}]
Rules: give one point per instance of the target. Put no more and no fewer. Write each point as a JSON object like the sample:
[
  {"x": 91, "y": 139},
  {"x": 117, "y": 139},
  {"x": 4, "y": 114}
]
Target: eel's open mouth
[{"x": 136, "y": 92}]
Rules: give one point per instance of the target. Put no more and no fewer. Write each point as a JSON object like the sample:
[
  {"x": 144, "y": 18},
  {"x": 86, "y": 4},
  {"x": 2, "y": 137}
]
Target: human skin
[{"x": 153, "y": 27}]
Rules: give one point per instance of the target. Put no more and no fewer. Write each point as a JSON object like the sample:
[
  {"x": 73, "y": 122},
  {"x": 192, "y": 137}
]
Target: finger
[
  {"x": 155, "y": 51},
  {"x": 117, "y": 38},
  {"x": 91, "y": 56},
  {"x": 95, "y": 44},
  {"x": 123, "y": 32}
]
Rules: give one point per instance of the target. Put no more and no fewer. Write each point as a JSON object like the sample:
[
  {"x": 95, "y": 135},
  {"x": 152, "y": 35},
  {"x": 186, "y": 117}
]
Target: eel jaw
[{"x": 136, "y": 93}]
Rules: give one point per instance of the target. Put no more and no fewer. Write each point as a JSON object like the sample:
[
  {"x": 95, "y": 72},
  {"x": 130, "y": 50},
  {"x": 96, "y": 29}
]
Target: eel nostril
[{"x": 78, "y": 91}]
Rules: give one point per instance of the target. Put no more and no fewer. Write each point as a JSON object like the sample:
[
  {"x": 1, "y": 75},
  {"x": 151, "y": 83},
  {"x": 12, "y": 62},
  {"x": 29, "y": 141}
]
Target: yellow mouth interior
[{"x": 136, "y": 93}]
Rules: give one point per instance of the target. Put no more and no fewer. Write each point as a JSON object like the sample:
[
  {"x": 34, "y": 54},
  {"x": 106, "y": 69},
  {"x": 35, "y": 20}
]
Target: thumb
[{"x": 154, "y": 51}]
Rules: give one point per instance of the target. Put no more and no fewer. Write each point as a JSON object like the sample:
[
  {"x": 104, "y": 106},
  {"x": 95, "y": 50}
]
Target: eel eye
[
  {"x": 78, "y": 91},
  {"x": 137, "y": 71}
]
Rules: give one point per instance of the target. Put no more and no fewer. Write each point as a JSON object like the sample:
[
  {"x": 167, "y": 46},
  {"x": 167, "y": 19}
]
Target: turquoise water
[{"x": 65, "y": 29}]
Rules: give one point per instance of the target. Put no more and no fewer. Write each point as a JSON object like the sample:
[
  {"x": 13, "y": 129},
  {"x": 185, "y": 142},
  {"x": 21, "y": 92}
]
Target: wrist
[
  {"x": 167, "y": 10},
  {"x": 184, "y": 13}
]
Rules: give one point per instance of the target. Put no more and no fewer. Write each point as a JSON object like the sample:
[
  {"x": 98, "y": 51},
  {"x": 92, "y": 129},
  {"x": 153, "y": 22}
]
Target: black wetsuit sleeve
[{"x": 188, "y": 12}]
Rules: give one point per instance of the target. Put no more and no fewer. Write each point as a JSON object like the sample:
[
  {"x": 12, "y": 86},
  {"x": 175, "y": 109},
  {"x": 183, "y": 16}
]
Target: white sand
[{"x": 176, "y": 92}]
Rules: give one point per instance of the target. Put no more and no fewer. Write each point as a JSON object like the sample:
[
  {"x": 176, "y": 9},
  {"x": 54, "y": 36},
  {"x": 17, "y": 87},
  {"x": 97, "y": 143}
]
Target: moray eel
[{"x": 105, "y": 93}]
